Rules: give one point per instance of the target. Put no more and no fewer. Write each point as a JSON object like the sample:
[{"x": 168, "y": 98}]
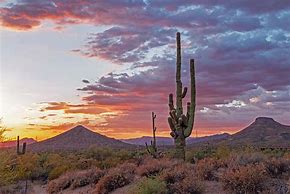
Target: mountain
[
  {"x": 169, "y": 141},
  {"x": 147, "y": 139},
  {"x": 263, "y": 131},
  {"x": 77, "y": 138},
  {"x": 13, "y": 143}
]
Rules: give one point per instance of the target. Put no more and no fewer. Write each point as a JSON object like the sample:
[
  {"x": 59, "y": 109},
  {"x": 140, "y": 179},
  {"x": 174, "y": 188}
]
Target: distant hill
[
  {"x": 13, "y": 143},
  {"x": 77, "y": 138},
  {"x": 169, "y": 141},
  {"x": 263, "y": 131}
]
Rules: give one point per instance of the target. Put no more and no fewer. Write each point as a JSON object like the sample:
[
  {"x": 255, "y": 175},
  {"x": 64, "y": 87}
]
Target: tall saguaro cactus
[
  {"x": 181, "y": 125},
  {"x": 18, "y": 147},
  {"x": 152, "y": 149}
]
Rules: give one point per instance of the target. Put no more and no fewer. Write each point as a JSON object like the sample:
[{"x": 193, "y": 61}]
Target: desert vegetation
[{"x": 243, "y": 170}]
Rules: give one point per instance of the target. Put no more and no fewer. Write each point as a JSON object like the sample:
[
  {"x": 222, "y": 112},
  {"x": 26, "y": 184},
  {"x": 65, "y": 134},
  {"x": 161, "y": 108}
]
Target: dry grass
[
  {"x": 116, "y": 178},
  {"x": 75, "y": 180}
]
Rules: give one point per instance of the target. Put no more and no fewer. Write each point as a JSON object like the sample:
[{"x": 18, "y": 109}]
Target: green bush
[{"x": 149, "y": 185}]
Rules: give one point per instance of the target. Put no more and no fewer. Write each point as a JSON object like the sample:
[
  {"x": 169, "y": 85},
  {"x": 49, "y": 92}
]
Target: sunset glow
[{"x": 108, "y": 64}]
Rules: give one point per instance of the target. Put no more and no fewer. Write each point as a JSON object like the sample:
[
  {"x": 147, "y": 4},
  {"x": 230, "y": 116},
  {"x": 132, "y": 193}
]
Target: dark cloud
[{"x": 85, "y": 81}]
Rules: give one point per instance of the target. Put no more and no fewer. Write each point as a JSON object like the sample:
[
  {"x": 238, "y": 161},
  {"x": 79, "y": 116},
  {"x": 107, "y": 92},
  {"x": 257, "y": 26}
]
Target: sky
[{"x": 108, "y": 64}]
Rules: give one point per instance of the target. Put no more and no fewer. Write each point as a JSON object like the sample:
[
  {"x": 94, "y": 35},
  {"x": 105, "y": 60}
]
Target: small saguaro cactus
[
  {"x": 23, "y": 147},
  {"x": 181, "y": 125},
  {"x": 152, "y": 149}
]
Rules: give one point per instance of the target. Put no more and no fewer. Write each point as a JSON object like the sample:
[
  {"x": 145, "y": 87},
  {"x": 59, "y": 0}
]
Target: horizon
[{"x": 107, "y": 65}]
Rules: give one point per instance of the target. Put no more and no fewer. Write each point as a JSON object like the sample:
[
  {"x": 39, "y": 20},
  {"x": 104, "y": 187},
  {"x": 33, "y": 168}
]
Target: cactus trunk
[
  {"x": 18, "y": 147},
  {"x": 152, "y": 149},
  {"x": 181, "y": 125},
  {"x": 18, "y": 150}
]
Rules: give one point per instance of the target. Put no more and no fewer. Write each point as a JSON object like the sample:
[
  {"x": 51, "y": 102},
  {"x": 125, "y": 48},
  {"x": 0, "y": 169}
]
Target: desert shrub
[
  {"x": 193, "y": 156},
  {"x": 86, "y": 177},
  {"x": 116, "y": 178},
  {"x": 180, "y": 179},
  {"x": 98, "y": 153},
  {"x": 57, "y": 171},
  {"x": 8, "y": 164},
  {"x": 245, "y": 179},
  {"x": 84, "y": 164},
  {"x": 278, "y": 186},
  {"x": 149, "y": 185},
  {"x": 245, "y": 159},
  {"x": 222, "y": 152},
  {"x": 276, "y": 167},
  {"x": 152, "y": 167},
  {"x": 274, "y": 152},
  {"x": 205, "y": 169},
  {"x": 189, "y": 185},
  {"x": 176, "y": 173},
  {"x": 59, "y": 184},
  {"x": 75, "y": 179}
]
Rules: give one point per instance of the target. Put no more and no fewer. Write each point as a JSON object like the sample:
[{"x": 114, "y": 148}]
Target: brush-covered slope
[
  {"x": 162, "y": 141},
  {"x": 77, "y": 138},
  {"x": 263, "y": 131},
  {"x": 13, "y": 143}
]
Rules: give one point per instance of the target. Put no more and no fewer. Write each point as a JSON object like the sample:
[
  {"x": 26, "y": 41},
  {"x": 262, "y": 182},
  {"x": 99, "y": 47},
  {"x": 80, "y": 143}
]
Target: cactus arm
[
  {"x": 184, "y": 92},
  {"x": 178, "y": 77},
  {"x": 188, "y": 110},
  {"x": 171, "y": 123},
  {"x": 173, "y": 115},
  {"x": 184, "y": 120},
  {"x": 172, "y": 127},
  {"x": 147, "y": 148},
  {"x": 170, "y": 102},
  {"x": 189, "y": 127},
  {"x": 24, "y": 148},
  {"x": 154, "y": 129}
]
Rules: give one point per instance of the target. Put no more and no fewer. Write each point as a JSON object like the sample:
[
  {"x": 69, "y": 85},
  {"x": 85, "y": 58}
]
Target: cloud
[
  {"x": 241, "y": 50},
  {"x": 85, "y": 81}
]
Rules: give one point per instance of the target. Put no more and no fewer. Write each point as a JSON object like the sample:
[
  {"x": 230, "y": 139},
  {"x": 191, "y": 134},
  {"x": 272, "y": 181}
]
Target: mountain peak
[
  {"x": 79, "y": 137},
  {"x": 264, "y": 120},
  {"x": 79, "y": 128}
]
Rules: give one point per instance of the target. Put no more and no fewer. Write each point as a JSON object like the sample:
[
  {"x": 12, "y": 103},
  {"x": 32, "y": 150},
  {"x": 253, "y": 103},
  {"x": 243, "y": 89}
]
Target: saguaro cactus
[
  {"x": 152, "y": 149},
  {"x": 18, "y": 147},
  {"x": 181, "y": 125}
]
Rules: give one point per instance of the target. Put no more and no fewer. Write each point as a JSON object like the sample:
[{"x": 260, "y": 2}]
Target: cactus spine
[
  {"x": 152, "y": 149},
  {"x": 18, "y": 147},
  {"x": 181, "y": 125}
]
